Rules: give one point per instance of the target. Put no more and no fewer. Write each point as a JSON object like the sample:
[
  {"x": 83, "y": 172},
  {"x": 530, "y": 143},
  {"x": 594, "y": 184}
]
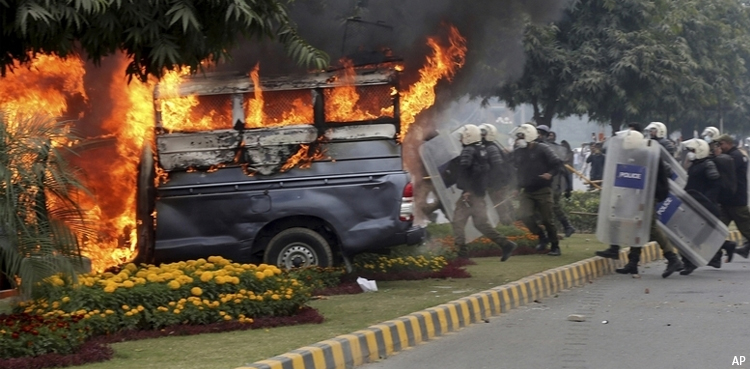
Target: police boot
[
  {"x": 729, "y": 247},
  {"x": 634, "y": 256},
  {"x": 508, "y": 248},
  {"x": 555, "y": 251},
  {"x": 463, "y": 251},
  {"x": 673, "y": 264},
  {"x": 613, "y": 252},
  {"x": 689, "y": 267},
  {"x": 743, "y": 251},
  {"x": 569, "y": 230},
  {"x": 716, "y": 260},
  {"x": 543, "y": 242}
]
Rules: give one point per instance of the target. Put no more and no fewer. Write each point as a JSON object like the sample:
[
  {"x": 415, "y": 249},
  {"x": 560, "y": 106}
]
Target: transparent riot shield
[
  {"x": 438, "y": 156},
  {"x": 696, "y": 232},
  {"x": 679, "y": 175},
  {"x": 628, "y": 186},
  {"x": 559, "y": 150}
]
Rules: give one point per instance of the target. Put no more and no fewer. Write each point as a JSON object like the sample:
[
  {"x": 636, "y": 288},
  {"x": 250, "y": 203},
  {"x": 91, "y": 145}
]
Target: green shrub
[{"x": 582, "y": 208}]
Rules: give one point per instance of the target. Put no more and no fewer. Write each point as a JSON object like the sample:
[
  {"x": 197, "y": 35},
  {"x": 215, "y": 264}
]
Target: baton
[
  {"x": 583, "y": 177},
  {"x": 504, "y": 201}
]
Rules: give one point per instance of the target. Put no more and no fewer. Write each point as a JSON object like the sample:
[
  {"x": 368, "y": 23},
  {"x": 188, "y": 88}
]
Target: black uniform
[
  {"x": 473, "y": 178},
  {"x": 734, "y": 207},
  {"x": 536, "y": 195},
  {"x": 704, "y": 185},
  {"x": 501, "y": 178}
]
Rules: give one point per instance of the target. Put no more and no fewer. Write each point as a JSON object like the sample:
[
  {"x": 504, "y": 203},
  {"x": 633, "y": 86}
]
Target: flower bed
[{"x": 196, "y": 292}]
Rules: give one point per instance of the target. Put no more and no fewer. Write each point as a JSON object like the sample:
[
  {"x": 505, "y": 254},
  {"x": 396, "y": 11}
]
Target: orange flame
[
  {"x": 302, "y": 159},
  {"x": 42, "y": 87},
  {"x": 443, "y": 63},
  {"x": 255, "y": 116},
  {"x": 187, "y": 113}
]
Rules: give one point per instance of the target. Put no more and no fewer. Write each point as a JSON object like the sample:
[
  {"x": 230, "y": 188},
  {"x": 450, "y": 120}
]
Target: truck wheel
[{"x": 298, "y": 247}]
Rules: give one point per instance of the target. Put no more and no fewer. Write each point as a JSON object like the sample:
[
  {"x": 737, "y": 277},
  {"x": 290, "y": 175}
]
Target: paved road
[{"x": 685, "y": 322}]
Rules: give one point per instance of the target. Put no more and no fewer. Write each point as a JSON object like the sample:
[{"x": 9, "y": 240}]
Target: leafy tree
[
  {"x": 718, "y": 34},
  {"x": 155, "y": 34},
  {"x": 546, "y": 73},
  {"x": 636, "y": 60},
  {"x": 38, "y": 208}
]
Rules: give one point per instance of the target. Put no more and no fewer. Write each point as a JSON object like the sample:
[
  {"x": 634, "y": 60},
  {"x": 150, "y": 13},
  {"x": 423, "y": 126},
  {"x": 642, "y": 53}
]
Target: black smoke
[{"x": 493, "y": 30}]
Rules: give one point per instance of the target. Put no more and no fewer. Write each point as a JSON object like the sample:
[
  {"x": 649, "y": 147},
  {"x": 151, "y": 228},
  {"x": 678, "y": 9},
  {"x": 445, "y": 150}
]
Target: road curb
[{"x": 382, "y": 340}]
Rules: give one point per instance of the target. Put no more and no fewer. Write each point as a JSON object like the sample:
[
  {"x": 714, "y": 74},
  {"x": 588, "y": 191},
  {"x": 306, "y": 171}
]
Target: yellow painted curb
[{"x": 382, "y": 340}]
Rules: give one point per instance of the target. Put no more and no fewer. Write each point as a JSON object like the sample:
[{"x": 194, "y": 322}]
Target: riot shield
[
  {"x": 439, "y": 156},
  {"x": 679, "y": 175},
  {"x": 696, "y": 232},
  {"x": 559, "y": 150},
  {"x": 628, "y": 187}
]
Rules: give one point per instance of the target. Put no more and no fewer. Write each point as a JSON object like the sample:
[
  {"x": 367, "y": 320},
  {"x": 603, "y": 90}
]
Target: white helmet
[
  {"x": 661, "y": 129},
  {"x": 700, "y": 147},
  {"x": 489, "y": 132},
  {"x": 632, "y": 139},
  {"x": 711, "y": 133},
  {"x": 470, "y": 134},
  {"x": 528, "y": 131}
]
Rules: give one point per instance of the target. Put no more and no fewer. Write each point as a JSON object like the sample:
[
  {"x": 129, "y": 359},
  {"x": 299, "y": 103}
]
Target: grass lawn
[{"x": 344, "y": 314}]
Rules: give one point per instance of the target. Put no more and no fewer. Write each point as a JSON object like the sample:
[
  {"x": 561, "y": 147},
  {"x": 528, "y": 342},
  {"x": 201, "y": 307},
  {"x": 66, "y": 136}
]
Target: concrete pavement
[
  {"x": 696, "y": 321},
  {"x": 384, "y": 340}
]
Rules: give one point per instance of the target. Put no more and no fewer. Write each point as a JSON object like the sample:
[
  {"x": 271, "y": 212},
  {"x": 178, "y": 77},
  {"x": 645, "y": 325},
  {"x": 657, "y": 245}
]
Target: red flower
[
  {"x": 14, "y": 335},
  {"x": 35, "y": 332}
]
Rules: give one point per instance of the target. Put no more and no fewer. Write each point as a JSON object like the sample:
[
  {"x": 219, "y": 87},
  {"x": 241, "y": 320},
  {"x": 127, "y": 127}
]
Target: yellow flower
[
  {"x": 176, "y": 311},
  {"x": 129, "y": 313},
  {"x": 128, "y": 284},
  {"x": 227, "y": 317},
  {"x": 269, "y": 272},
  {"x": 220, "y": 280},
  {"x": 207, "y": 276},
  {"x": 196, "y": 291},
  {"x": 125, "y": 307},
  {"x": 173, "y": 284},
  {"x": 275, "y": 296},
  {"x": 109, "y": 312},
  {"x": 131, "y": 267},
  {"x": 260, "y": 275},
  {"x": 140, "y": 308},
  {"x": 110, "y": 288}
]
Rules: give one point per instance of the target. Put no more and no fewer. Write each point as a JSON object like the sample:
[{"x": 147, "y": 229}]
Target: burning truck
[{"x": 281, "y": 170}]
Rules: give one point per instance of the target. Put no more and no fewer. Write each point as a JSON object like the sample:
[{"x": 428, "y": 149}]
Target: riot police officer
[
  {"x": 536, "y": 164},
  {"x": 655, "y": 234},
  {"x": 734, "y": 206},
  {"x": 473, "y": 180},
  {"x": 501, "y": 174},
  {"x": 658, "y": 131},
  {"x": 703, "y": 184},
  {"x": 562, "y": 183}
]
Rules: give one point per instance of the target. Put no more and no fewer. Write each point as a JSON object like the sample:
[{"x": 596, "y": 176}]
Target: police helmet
[
  {"x": 470, "y": 134},
  {"x": 632, "y": 139},
  {"x": 711, "y": 132},
  {"x": 659, "y": 127},
  {"x": 489, "y": 132},
  {"x": 699, "y": 147},
  {"x": 527, "y": 132}
]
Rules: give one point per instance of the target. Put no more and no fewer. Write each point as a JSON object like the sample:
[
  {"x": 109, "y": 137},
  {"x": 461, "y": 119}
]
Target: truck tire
[{"x": 298, "y": 247}]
